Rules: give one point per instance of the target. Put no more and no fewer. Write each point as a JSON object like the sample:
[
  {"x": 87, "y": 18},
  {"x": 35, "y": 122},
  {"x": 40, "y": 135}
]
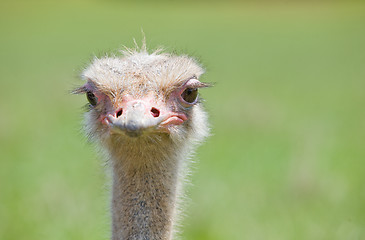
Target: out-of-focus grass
[{"x": 286, "y": 159}]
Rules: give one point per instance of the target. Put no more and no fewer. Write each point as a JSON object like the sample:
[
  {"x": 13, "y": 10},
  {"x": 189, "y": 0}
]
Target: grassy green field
[{"x": 287, "y": 151}]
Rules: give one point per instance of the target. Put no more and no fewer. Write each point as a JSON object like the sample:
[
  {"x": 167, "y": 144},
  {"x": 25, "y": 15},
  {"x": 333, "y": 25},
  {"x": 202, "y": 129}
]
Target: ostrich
[{"x": 145, "y": 113}]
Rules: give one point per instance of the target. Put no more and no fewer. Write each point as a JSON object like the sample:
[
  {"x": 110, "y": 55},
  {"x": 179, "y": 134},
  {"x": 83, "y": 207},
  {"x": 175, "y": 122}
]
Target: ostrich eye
[
  {"x": 93, "y": 100},
  {"x": 190, "y": 95}
]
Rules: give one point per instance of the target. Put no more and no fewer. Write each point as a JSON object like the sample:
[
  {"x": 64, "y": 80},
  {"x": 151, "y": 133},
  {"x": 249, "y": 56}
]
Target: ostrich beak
[
  {"x": 139, "y": 116},
  {"x": 134, "y": 118}
]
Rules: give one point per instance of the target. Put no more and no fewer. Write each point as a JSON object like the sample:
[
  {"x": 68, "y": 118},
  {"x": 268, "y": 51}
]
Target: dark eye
[
  {"x": 93, "y": 100},
  {"x": 190, "y": 95}
]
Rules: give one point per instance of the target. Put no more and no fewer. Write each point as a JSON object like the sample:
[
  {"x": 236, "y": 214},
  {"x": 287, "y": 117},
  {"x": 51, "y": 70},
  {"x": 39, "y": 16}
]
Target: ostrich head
[
  {"x": 145, "y": 111},
  {"x": 143, "y": 98}
]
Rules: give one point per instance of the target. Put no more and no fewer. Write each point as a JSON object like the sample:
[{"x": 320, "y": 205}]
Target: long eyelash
[
  {"x": 199, "y": 85},
  {"x": 80, "y": 90},
  {"x": 89, "y": 86}
]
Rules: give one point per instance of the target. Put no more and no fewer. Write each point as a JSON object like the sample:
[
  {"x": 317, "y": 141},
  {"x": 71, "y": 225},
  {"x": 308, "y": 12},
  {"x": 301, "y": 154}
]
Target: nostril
[
  {"x": 119, "y": 113},
  {"x": 155, "y": 112}
]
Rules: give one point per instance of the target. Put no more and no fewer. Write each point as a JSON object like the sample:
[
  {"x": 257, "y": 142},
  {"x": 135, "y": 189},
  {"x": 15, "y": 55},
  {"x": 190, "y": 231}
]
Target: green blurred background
[{"x": 286, "y": 158}]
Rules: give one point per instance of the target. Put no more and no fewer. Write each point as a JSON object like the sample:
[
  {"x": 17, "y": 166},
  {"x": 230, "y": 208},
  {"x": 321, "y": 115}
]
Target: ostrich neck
[{"x": 144, "y": 193}]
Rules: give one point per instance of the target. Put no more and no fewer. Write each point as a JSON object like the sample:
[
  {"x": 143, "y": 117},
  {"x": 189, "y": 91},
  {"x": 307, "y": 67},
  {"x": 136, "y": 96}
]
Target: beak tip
[{"x": 132, "y": 126}]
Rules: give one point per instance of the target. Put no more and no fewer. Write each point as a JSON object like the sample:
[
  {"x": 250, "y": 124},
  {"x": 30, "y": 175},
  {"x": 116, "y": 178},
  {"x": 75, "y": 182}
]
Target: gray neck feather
[{"x": 144, "y": 191}]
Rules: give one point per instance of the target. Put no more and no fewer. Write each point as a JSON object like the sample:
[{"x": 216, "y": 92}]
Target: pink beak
[{"x": 138, "y": 116}]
